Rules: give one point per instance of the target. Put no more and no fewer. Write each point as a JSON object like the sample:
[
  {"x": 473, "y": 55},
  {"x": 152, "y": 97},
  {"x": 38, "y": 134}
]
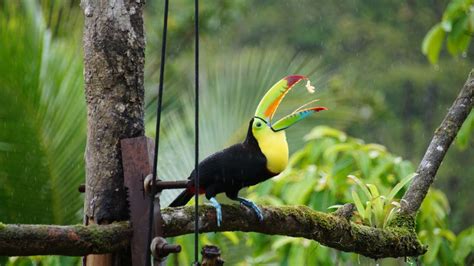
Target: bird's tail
[{"x": 182, "y": 198}]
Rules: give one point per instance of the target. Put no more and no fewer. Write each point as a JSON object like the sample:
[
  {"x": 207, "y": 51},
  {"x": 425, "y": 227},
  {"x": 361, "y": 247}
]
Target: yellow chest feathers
[{"x": 275, "y": 148}]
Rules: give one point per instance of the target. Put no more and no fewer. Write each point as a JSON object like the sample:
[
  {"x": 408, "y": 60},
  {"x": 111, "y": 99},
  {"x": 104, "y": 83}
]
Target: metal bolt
[
  {"x": 160, "y": 248},
  {"x": 161, "y": 185}
]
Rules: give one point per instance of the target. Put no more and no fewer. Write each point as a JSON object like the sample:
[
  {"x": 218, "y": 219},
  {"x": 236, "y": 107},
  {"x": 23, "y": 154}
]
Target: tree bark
[
  {"x": 434, "y": 155},
  {"x": 114, "y": 48},
  {"x": 75, "y": 240}
]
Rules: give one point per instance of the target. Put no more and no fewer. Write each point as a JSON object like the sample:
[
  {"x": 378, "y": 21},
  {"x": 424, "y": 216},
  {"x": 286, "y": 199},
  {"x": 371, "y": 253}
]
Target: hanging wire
[
  {"x": 196, "y": 125},
  {"x": 157, "y": 133}
]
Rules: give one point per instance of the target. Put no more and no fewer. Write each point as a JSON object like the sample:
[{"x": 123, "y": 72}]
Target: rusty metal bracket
[{"x": 137, "y": 161}]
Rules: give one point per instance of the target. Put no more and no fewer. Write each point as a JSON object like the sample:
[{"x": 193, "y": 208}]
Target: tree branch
[
  {"x": 74, "y": 240},
  {"x": 296, "y": 221},
  {"x": 438, "y": 147},
  {"x": 299, "y": 221}
]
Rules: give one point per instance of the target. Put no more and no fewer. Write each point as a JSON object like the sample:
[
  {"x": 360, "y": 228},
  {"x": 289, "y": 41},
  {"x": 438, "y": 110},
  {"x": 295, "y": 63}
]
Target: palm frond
[{"x": 42, "y": 120}]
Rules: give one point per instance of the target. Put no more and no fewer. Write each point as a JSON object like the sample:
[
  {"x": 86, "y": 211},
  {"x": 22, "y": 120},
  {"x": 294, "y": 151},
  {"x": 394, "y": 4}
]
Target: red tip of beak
[
  {"x": 317, "y": 109},
  {"x": 293, "y": 79}
]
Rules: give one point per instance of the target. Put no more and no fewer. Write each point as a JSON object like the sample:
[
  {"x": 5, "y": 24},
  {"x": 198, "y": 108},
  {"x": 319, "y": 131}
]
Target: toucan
[{"x": 262, "y": 155}]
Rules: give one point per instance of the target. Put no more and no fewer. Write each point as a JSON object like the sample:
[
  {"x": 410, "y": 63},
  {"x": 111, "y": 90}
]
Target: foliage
[
  {"x": 42, "y": 121},
  {"x": 42, "y": 261},
  {"x": 456, "y": 27},
  {"x": 378, "y": 210},
  {"x": 360, "y": 54},
  {"x": 317, "y": 177}
]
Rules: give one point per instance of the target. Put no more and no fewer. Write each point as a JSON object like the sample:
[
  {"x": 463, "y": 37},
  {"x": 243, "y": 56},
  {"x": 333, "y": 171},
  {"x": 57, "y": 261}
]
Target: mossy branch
[
  {"x": 73, "y": 240},
  {"x": 298, "y": 221},
  {"x": 434, "y": 155}
]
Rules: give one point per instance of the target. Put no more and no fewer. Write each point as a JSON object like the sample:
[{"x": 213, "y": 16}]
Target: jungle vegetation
[{"x": 388, "y": 71}]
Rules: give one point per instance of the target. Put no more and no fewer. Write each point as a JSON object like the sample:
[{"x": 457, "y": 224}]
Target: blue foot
[
  {"x": 247, "y": 203},
  {"x": 218, "y": 210}
]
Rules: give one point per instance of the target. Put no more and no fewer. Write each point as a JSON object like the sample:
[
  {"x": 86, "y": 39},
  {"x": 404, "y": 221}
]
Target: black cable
[
  {"x": 157, "y": 133},
  {"x": 196, "y": 125}
]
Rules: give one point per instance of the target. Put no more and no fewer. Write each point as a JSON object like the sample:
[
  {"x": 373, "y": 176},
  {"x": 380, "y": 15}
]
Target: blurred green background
[{"x": 364, "y": 57}]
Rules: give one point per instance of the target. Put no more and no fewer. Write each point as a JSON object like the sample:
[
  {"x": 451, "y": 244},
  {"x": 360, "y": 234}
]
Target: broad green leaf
[
  {"x": 458, "y": 39},
  {"x": 455, "y": 9},
  {"x": 464, "y": 245},
  {"x": 432, "y": 43}
]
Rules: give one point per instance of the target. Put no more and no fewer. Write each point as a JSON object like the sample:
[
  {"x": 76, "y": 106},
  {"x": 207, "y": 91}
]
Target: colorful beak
[{"x": 272, "y": 99}]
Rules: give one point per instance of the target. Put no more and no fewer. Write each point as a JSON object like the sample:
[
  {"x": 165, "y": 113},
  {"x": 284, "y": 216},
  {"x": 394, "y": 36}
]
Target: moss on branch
[
  {"x": 73, "y": 240},
  {"x": 300, "y": 221}
]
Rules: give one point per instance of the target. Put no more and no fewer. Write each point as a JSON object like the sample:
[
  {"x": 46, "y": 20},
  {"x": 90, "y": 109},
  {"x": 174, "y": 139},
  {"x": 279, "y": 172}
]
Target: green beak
[{"x": 272, "y": 99}]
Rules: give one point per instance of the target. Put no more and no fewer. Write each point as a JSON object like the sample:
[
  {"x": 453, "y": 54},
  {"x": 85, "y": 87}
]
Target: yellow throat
[{"x": 273, "y": 145}]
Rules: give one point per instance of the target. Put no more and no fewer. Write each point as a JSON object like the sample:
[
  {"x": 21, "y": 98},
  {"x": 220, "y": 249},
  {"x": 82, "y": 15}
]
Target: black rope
[
  {"x": 157, "y": 133},
  {"x": 196, "y": 125}
]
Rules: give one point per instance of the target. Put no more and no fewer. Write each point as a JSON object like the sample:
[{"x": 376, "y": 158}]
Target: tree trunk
[{"x": 114, "y": 47}]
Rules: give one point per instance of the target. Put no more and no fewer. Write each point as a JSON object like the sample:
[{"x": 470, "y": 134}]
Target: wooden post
[{"x": 114, "y": 51}]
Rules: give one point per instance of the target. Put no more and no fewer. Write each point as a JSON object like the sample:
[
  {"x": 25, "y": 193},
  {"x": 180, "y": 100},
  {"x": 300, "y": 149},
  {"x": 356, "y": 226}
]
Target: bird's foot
[
  {"x": 249, "y": 204},
  {"x": 218, "y": 210}
]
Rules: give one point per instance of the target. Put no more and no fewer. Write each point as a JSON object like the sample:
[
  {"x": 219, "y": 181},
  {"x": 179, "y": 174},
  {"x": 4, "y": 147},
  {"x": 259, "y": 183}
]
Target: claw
[
  {"x": 249, "y": 204},
  {"x": 218, "y": 210}
]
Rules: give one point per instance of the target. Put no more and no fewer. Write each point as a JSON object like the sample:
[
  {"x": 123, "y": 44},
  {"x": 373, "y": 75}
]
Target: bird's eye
[{"x": 258, "y": 124}]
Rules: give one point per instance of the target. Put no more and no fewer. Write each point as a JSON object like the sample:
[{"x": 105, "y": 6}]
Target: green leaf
[
  {"x": 373, "y": 191},
  {"x": 369, "y": 213},
  {"x": 459, "y": 38},
  {"x": 471, "y": 23},
  {"x": 399, "y": 186},
  {"x": 434, "y": 244},
  {"x": 377, "y": 203},
  {"x": 337, "y": 206},
  {"x": 358, "y": 204},
  {"x": 389, "y": 217},
  {"x": 361, "y": 186},
  {"x": 232, "y": 236},
  {"x": 455, "y": 9},
  {"x": 432, "y": 43},
  {"x": 465, "y": 133},
  {"x": 464, "y": 245}
]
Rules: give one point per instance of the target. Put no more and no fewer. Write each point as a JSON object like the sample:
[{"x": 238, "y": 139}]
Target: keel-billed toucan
[{"x": 262, "y": 155}]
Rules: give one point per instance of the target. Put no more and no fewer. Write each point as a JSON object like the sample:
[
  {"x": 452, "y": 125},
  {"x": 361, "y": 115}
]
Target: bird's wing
[{"x": 237, "y": 162}]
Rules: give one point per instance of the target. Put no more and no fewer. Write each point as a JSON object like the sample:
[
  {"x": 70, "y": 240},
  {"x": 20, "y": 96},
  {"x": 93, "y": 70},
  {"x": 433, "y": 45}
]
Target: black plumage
[{"x": 227, "y": 171}]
